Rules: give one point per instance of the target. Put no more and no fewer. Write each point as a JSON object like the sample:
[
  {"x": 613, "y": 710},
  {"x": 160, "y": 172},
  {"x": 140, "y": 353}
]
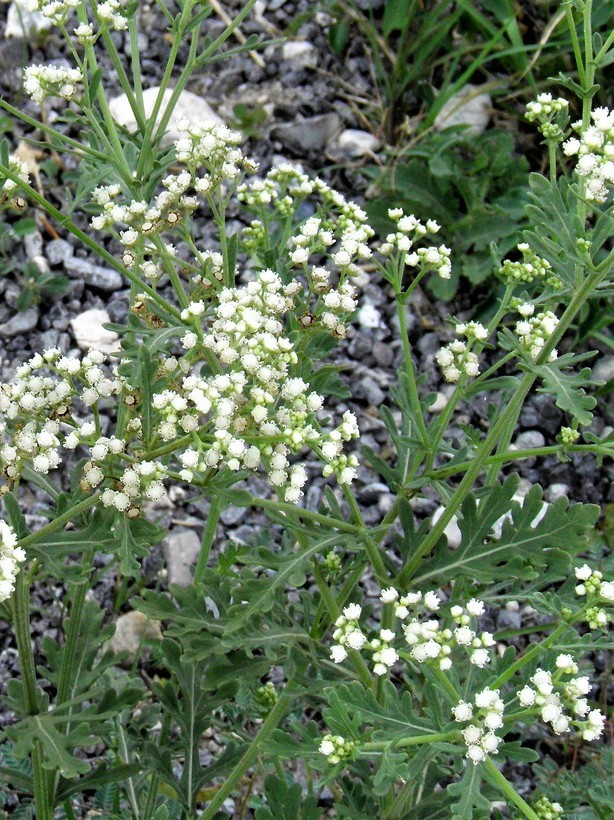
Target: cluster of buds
[
  {"x": 429, "y": 638},
  {"x": 566, "y": 707},
  {"x": 486, "y": 714},
  {"x": 568, "y": 436},
  {"x": 140, "y": 482},
  {"x": 594, "y": 148},
  {"x": 456, "y": 359},
  {"x": 546, "y": 810},
  {"x": 550, "y": 115},
  {"x": 410, "y": 230},
  {"x": 532, "y": 268},
  {"x": 11, "y": 556},
  {"x": 597, "y": 591},
  {"x": 42, "y": 81},
  {"x": 336, "y": 749},
  {"x": 266, "y": 696},
  {"x": 534, "y": 330},
  {"x": 9, "y": 193}
]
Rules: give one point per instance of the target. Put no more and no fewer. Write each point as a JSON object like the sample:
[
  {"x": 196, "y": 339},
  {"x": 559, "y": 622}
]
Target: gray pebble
[
  {"x": 20, "y": 323},
  {"x": 232, "y": 516},
  {"x": 311, "y": 134},
  {"x": 181, "y": 551},
  {"x": 529, "y": 440},
  {"x": 604, "y": 369},
  {"x": 383, "y": 353},
  {"x": 58, "y": 251},
  {"x": 94, "y": 275},
  {"x": 509, "y": 619}
]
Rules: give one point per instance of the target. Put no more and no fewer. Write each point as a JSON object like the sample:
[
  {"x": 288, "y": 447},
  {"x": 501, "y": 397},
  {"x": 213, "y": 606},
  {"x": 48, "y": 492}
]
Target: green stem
[
  {"x": 20, "y": 603},
  {"x": 70, "y": 515},
  {"x": 375, "y": 557},
  {"x": 361, "y": 668},
  {"x": 411, "y": 376},
  {"x": 416, "y": 740},
  {"x": 208, "y": 537},
  {"x": 89, "y": 242},
  {"x": 270, "y": 724},
  {"x": 508, "y": 790},
  {"x": 499, "y": 430},
  {"x": 528, "y": 656}
]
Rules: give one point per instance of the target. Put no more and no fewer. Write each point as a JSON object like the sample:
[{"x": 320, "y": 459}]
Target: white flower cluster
[
  {"x": 547, "y": 112},
  {"x": 532, "y": 268},
  {"x": 339, "y": 230},
  {"x": 42, "y": 81},
  {"x": 138, "y": 483},
  {"x": 594, "y": 148},
  {"x": 597, "y": 591},
  {"x": 545, "y": 810},
  {"x": 55, "y": 10},
  {"x": 110, "y": 14},
  {"x": 430, "y": 640},
  {"x": 480, "y": 736},
  {"x": 258, "y": 411},
  {"x": 35, "y": 405},
  {"x": 534, "y": 331},
  {"x": 456, "y": 358},
  {"x": 9, "y": 193},
  {"x": 11, "y": 556},
  {"x": 410, "y": 230},
  {"x": 335, "y": 748},
  {"x": 566, "y": 707},
  {"x": 214, "y": 148}
]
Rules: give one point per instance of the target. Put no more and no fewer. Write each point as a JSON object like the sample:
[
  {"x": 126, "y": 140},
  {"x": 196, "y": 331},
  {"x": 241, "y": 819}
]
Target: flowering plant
[{"x": 418, "y": 705}]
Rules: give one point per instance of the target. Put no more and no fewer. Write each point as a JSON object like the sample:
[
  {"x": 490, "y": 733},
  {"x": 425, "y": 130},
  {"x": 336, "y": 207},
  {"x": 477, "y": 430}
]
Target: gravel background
[{"x": 308, "y": 95}]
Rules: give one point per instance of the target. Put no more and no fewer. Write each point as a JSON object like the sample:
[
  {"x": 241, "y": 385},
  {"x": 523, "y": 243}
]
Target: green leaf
[
  {"x": 471, "y": 804},
  {"x": 567, "y": 388},
  {"x": 351, "y": 705},
  {"x": 391, "y": 768},
  {"x": 524, "y": 549},
  {"x": 284, "y": 801},
  {"x": 57, "y": 747}
]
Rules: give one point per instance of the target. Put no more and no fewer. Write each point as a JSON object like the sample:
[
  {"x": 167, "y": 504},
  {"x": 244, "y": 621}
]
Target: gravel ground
[{"x": 306, "y": 93}]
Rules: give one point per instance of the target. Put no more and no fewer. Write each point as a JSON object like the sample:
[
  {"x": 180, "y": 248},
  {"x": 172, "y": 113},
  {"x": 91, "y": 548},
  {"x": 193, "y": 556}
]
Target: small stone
[
  {"x": 529, "y": 440},
  {"x": 369, "y": 316},
  {"x": 466, "y": 107},
  {"x": 89, "y": 332},
  {"x": 604, "y": 369},
  {"x": 20, "y": 323},
  {"x": 383, "y": 354},
  {"x": 301, "y": 53},
  {"x": 358, "y": 143},
  {"x": 181, "y": 551},
  {"x": 94, "y": 275},
  {"x": 452, "y": 530},
  {"x": 131, "y": 630},
  {"x": 509, "y": 619},
  {"x": 33, "y": 244},
  {"x": 439, "y": 404},
  {"x": 232, "y": 516},
  {"x": 372, "y": 391},
  {"x": 23, "y": 24},
  {"x": 371, "y": 493},
  {"x": 189, "y": 106},
  {"x": 58, "y": 251},
  {"x": 555, "y": 491},
  {"x": 310, "y": 134}
]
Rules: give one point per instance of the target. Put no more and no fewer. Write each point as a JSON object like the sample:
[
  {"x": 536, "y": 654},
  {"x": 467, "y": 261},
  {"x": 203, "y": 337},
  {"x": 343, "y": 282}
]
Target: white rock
[
  {"x": 439, "y": 404},
  {"x": 181, "y": 550},
  {"x": 299, "y": 52},
  {"x": 23, "y": 24},
  {"x": 357, "y": 143},
  {"x": 89, "y": 332},
  {"x": 466, "y": 107},
  {"x": 369, "y": 316},
  {"x": 188, "y": 105},
  {"x": 131, "y": 630},
  {"x": 452, "y": 531}
]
